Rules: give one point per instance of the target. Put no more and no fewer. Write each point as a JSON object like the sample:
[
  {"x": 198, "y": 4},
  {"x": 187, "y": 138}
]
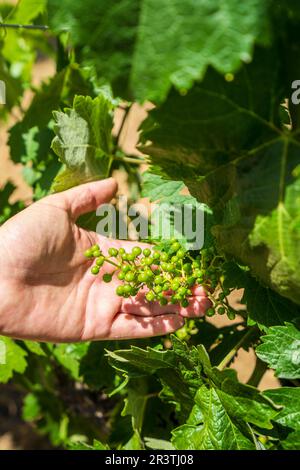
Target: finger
[
  {"x": 86, "y": 197},
  {"x": 139, "y": 306},
  {"x": 198, "y": 290},
  {"x": 196, "y": 308},
  {"x": 127, "y": 326}
]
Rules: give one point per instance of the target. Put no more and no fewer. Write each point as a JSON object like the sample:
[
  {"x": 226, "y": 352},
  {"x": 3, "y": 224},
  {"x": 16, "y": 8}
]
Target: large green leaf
[
  {"x": 289, "y": 399},
  {"x": 83, "y": 141},
  {"x": 225, "y": 141},
  {"x": 216, "y": 429},
  {"x": 289, "y": 416},
  {"x": 70, "y": 356},
  {"x": 137, "y": 362},
  {"x": 264, "y": 306},
  {"x": 135, "y": 404},
  {"x": 214, "y": 33},
  {"x": 241, "y": 401},
  {"x": 281, "y": 350},
  {"x": 27, "y": 10},
  {"x": 132, "y": 42}
]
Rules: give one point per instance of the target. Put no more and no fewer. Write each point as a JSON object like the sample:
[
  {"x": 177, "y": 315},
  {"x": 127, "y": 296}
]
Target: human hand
[{"x": 47, "y": 292}]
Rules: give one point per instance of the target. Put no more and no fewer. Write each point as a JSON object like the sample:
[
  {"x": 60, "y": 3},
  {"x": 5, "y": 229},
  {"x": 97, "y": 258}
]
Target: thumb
[{"x": 86, "y": 197}]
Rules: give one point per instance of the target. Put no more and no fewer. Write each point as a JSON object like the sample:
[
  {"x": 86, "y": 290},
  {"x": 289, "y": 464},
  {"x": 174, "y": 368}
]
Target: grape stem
[
  {"x": 24, "y": 26},
  {"x": 228, "y": 358},
  {"x": 135, "y": 161},
  {"x": 114, "y": 264}
]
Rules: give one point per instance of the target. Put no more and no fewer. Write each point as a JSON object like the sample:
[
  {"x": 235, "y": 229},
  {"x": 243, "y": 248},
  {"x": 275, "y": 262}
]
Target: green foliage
[
  {"x": 230, "y": 149},
  {"x": 223, "y": 138},
  {"x": 12, "y": 359},
  {"x": 133, "y": 42},
  {"x": 83, "y": 141},
  {"x": 281, "y": 350}
]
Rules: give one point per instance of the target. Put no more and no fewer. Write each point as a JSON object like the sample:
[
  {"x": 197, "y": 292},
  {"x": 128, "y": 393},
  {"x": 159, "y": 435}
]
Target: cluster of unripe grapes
[{"x": 166, "y": 275}]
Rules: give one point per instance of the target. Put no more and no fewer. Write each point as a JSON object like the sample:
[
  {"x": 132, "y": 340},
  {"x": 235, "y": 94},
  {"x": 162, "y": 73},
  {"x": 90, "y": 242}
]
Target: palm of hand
[{"x": 51, "y": 294}]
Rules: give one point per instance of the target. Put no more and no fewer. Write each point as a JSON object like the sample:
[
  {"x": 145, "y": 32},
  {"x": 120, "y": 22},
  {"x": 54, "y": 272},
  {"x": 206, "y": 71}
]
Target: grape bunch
[{"x": 167, "y": 275}]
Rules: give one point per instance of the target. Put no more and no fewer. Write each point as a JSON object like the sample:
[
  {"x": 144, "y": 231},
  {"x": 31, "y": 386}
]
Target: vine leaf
[
  {"x": 135, "y": 404},
  {"x": 226, "y": 142},
  {"x": 264, "y": 306},
  {"x": 280, "y": 348},
  {"x": 289, "y": 416},
  {"x": 83, "y": 141},
  {"x": 215, "y": 431},
  {"x": 195, "y": 389},
  {"x": 12, "y": 359},
  {"x": 133, "y": 44}
]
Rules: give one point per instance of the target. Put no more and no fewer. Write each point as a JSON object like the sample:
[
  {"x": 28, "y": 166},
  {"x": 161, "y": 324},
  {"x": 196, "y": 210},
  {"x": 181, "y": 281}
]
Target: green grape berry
[
  {"x": 150, "y": 296},
  {"x": 198, "y": 273},
  {"x": 196, "y": 264},
  {"x": 175, "y": 285},
  {"x": 157, "y": 289},
  {"x": 143, "y": 277},
  {"x": 164, "y": 256},
  {"x": 175, "y": 247},
  {"x": 121, "y": 276},
  {"x": 122, "y": 251},
  {"x": 164, "y": 266},
  {"x": 158, "y": 280},
  {"x": 136, "y": 251},
  {"x": 170, "y": 267},
  {"x": 230, "y": 314},
  {"x": 184, "y": 303},
  {"x": 89, "y": 253},
  {"x": 156, "y": 255},
  {"x": 182, "y": 290},
  {"x": 147, "y": 252},
  {"x": 95, "y": 247},
  {"x": 210, "y": 312},
  {"x": 221, "y": 310},
  {"x": 130, "y": 257},
  {"x": 127, "y": 289},
  {"x": 100, "y": 261},
  {"x": 120, "y": 291},
  {"x": 180, "y": 253},
  {"x": 190, "y": 281},
  {"x": 163, "y": 301},
  {"x": 129, "y": 277},
  {"x": 107, "y": 277},
  {"x": 166, "y": 286},
  {"x": 113, "y": 252},
  {"x": 125, "y": 268},
  {"x": 95, "y": 270},
  {"x": 187, "y": 267}
]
